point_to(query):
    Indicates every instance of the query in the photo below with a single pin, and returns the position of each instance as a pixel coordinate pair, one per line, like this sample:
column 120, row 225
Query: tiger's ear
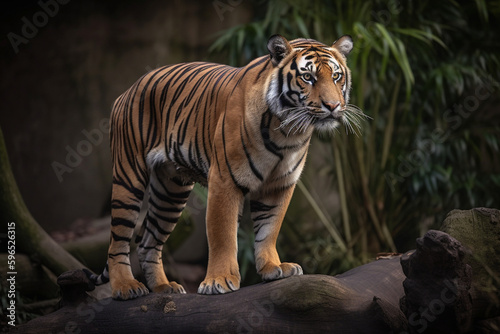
column 278, row 48
column 344, row 45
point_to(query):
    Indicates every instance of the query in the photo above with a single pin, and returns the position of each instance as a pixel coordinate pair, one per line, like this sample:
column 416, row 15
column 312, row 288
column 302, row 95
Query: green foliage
column 427, row 74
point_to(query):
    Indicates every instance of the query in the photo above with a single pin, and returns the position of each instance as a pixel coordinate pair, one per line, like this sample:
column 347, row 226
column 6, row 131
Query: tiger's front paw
column 218, row 285
column 271, row 272
column 128, row 289
column 171, row 287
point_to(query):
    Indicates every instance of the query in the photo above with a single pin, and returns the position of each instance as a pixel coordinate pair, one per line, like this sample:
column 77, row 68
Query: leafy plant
column 420, row 155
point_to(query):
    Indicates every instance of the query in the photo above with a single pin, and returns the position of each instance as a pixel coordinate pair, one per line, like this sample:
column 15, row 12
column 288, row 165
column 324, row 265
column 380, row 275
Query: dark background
column 65, row 79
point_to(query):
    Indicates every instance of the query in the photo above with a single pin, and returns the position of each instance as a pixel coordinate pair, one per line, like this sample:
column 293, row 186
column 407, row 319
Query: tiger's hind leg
column 168, row 198
column 127, row 196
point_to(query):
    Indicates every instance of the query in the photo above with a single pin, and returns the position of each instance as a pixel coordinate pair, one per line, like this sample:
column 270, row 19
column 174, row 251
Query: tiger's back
column 166, row 118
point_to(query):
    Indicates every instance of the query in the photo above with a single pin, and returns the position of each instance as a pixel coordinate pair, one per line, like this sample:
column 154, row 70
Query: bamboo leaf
column 399, row 54
column 302, row 26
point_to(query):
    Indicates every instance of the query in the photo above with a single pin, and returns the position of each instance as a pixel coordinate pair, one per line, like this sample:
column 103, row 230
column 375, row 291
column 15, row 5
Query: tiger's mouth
column 331, row 118
column 298, row 120
column 350, row 116
column 322, row 116
column 328, row 122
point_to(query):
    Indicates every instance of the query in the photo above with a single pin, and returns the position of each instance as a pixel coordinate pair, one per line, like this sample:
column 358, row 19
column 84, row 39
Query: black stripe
column 263, row 216
column 248, row 68
column 129, row 120
column 117, row 204
column 171, row 74
column 171, row 194
column 166, row 219
column 291, row 101
column 122, row 222
column 266, row 137
column 153, row 124
column 116, row 237
column 296, row 146
column 139, row 194
column 258, row 227
column 263, row 69
column 243, row 189
column 163, row 209
column 140, row 111
column 294, row 168
column 155, row 223
column 200, row 163
column 111, row 255
column 256, row 206
column 160, row 242
column 166, row 198
column 249, row 158
column 346, row 83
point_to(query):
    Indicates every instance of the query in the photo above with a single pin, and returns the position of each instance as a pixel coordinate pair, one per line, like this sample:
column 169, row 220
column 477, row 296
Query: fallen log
column 363, row 300
column 429, row 290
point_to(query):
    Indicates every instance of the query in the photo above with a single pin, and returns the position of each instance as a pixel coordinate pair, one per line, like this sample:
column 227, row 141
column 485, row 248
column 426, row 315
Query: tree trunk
column 30, row 238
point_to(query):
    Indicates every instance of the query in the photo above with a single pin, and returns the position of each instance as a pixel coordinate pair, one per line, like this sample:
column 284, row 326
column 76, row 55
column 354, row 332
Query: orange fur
column 238, row 130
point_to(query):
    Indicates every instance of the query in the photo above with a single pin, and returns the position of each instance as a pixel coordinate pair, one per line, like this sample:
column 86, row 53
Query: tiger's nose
column 331, row 106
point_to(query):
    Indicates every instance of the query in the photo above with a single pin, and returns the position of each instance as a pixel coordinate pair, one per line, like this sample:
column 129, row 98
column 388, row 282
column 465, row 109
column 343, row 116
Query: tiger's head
column 310, row 84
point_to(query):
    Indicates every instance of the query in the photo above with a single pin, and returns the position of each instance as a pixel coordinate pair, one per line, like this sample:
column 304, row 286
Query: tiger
column 242, row 132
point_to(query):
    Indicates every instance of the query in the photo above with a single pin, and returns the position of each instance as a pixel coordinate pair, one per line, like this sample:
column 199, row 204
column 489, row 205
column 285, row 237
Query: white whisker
column 353, row 118
column 299, row 112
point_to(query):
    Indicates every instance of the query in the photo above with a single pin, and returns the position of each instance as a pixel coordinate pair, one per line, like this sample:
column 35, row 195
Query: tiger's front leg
column 225, row 202
column 267, row 212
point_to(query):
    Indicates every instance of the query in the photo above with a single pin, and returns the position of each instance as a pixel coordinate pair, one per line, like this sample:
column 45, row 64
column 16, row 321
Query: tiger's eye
column 336, row 76
column 307, row 77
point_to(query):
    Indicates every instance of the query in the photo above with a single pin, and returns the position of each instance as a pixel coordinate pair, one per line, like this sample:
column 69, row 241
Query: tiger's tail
column 103, row 278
